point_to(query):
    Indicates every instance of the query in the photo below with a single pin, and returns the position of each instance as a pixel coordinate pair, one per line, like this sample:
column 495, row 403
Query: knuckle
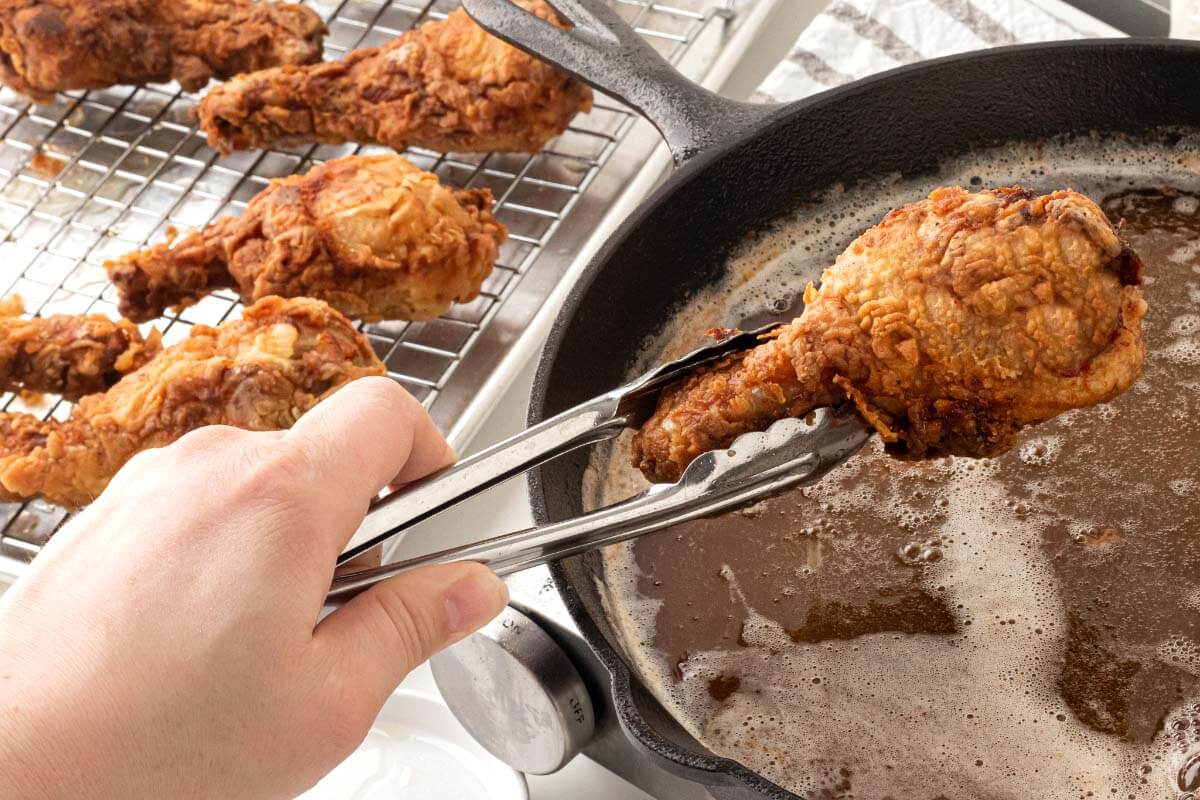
column 141, row 462
column 272, row 470
column 206, row 439
column 387, row 396
column 382, row 390
column 279, row 485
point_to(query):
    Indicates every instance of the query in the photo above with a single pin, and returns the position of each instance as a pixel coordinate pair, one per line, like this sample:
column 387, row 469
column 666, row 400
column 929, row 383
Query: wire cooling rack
column 94, row 175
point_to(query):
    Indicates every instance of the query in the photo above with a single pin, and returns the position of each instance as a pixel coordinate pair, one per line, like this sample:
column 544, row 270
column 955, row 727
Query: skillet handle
column 604, row 52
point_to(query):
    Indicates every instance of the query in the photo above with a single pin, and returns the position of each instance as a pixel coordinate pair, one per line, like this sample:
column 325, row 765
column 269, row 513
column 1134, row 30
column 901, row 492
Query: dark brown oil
column 779, row 611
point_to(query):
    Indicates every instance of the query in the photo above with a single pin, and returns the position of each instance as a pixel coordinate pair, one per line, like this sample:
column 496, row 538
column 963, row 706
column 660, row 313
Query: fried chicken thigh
column 49, row 46
column 950, row 325
column 445, row 86
column 373, row 236
column 259, row 373
column 66, row 354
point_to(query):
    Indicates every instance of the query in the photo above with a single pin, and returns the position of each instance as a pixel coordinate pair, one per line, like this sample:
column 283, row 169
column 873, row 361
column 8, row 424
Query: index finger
column 358, row 441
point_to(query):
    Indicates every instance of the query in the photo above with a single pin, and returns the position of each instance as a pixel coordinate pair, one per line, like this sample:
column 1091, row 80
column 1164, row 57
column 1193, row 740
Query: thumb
column 384, row 633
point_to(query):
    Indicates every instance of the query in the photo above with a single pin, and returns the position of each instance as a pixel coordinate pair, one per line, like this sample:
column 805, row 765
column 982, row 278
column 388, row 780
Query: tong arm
column 598, row 419
column 593, row 421
column 789, row 453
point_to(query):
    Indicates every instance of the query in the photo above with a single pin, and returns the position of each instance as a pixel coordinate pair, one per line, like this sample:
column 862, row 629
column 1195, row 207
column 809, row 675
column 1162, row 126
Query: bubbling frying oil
column 1021, row 627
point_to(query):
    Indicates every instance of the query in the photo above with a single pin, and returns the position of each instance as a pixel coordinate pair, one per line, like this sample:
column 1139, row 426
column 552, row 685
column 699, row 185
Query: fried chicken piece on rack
column 373, row 236
column 49, row 46
column 950, row 325
column 67, row 354
column 259, row 373
column 446, row 86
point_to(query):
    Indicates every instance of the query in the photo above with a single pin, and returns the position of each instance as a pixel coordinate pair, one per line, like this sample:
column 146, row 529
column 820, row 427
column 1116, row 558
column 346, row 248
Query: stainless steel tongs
column 789, row 453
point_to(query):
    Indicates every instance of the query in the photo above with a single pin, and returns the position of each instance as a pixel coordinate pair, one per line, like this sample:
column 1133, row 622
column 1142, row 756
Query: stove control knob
column 515, row 690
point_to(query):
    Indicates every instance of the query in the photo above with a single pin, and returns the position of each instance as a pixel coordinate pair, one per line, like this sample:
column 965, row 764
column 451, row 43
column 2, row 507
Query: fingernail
column 472, row 601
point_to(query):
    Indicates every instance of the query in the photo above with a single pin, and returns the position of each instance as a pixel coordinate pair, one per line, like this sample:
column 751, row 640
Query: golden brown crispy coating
column 259, row 373
column 445, row 86
column 49, row 46
column 66, row 354
column 950, row 325
column 373, row 236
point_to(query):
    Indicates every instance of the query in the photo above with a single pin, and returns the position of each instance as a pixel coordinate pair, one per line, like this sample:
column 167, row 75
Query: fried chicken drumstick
column 66, row 354
column 445, row 86
column 950, row 325
column 373, row 236
column 49, row 46
column 260, row 373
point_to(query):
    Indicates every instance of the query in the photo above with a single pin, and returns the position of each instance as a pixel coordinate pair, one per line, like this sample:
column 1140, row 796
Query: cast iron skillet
column 743, row 167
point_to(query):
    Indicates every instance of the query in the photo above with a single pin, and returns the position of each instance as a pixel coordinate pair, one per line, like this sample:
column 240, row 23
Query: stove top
column 533, row 692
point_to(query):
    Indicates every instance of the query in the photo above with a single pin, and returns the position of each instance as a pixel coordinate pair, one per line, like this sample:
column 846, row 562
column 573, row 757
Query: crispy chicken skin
column 259, row 373
column 950, row 325
column 66, row 354
column 49, row 46
column 445, row 86
column 373, row 236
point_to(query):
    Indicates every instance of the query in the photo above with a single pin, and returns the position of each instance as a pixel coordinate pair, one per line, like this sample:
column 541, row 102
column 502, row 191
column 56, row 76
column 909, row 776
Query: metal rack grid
column 94, row 175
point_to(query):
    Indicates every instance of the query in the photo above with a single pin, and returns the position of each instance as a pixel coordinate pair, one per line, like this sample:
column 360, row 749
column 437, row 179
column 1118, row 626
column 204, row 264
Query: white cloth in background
column 854, row 38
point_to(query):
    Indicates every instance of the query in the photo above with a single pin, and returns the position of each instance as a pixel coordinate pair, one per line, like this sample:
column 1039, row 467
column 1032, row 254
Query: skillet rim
column 726, row 771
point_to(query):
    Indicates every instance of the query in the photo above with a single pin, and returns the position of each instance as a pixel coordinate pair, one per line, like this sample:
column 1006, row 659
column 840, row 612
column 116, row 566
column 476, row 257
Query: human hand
column 165, row 643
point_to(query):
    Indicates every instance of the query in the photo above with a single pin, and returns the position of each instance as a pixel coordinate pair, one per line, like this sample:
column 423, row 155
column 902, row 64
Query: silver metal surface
column 594, row 421
column 516, row 691
column 789, row 453
column 534, row 593
column 94, row 175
